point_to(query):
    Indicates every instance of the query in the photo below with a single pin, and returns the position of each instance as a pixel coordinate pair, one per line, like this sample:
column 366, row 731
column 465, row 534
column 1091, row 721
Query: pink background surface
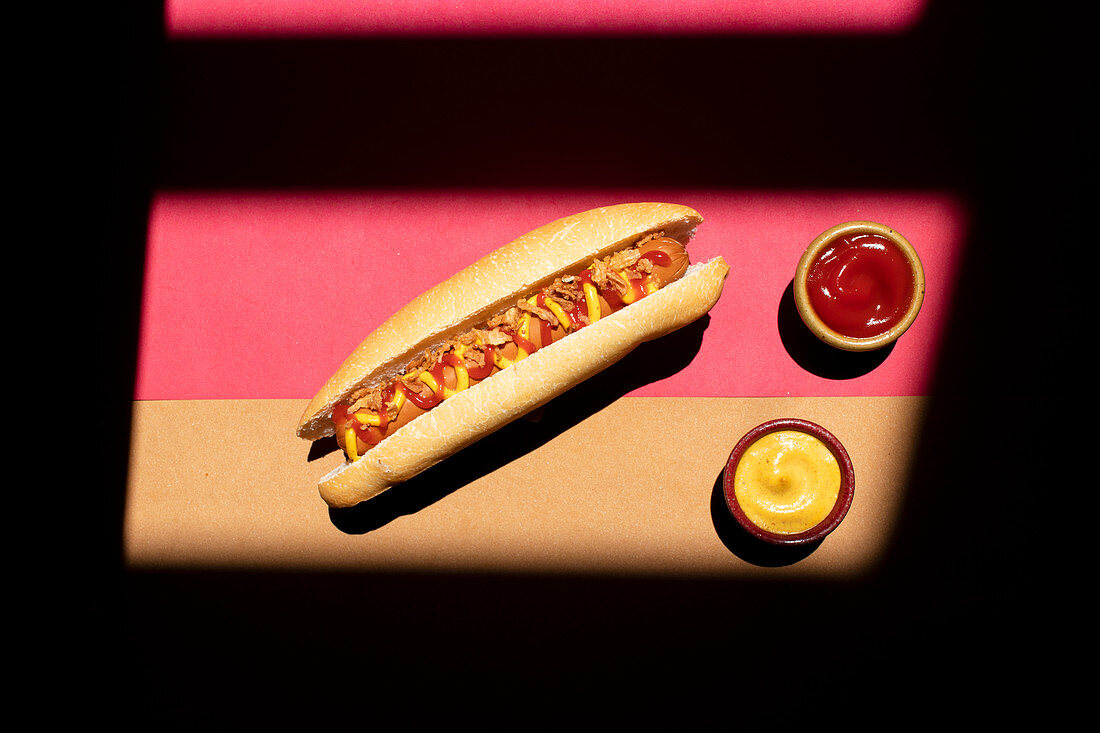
column 252, row 295
column 452, row 17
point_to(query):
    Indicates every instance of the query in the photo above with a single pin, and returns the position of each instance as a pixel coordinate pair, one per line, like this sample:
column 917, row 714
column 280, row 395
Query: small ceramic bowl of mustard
column 859, row 286
column 789, row 482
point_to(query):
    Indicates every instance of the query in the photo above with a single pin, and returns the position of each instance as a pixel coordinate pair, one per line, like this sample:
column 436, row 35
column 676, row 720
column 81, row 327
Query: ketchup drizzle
column 578, row 317
column 421, row 401
column 521, row 342
column 383, row 411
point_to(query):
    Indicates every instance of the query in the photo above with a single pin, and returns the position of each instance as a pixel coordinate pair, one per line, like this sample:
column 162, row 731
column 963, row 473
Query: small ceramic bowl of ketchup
column 859, row 286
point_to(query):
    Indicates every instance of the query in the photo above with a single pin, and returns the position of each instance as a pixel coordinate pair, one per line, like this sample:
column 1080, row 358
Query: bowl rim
column 802, row 296
column 844, row 496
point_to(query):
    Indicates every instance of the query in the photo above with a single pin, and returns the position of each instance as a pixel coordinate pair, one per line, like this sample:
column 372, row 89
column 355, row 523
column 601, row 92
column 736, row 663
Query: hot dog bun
column 479, row 291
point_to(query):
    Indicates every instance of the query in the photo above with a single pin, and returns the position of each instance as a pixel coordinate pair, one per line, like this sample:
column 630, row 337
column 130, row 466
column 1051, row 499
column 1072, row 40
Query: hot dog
column 533, row 323
column 504, row 336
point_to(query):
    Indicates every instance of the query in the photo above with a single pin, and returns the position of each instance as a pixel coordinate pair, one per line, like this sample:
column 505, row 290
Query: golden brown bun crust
column 484, row 288
column 524, row 386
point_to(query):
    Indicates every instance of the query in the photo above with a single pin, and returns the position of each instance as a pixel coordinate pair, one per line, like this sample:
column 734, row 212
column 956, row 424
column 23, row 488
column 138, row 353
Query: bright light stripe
column 353, row 18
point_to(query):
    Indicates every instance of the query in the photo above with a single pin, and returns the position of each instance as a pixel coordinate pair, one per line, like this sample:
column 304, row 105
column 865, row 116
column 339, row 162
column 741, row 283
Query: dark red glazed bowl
column 844, row 495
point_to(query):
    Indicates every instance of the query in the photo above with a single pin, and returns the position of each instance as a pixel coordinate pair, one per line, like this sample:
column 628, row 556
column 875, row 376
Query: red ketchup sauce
column 860, row 285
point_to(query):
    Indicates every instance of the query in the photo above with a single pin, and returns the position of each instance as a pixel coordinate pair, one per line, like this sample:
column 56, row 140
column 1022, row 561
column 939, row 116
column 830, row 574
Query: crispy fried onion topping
column 566, row 291
column 370, row 399
column 535, row 310
column 509, row 319
column 615, row 271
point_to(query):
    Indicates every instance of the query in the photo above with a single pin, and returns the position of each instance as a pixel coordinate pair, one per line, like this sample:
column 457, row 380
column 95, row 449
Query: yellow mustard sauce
column 787, row 482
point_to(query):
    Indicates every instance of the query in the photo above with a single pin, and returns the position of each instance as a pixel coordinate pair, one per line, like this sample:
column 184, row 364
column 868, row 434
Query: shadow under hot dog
column 649, row 362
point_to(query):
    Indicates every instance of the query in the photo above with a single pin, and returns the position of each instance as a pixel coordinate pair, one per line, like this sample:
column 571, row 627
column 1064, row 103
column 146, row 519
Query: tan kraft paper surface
column 632, row 488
